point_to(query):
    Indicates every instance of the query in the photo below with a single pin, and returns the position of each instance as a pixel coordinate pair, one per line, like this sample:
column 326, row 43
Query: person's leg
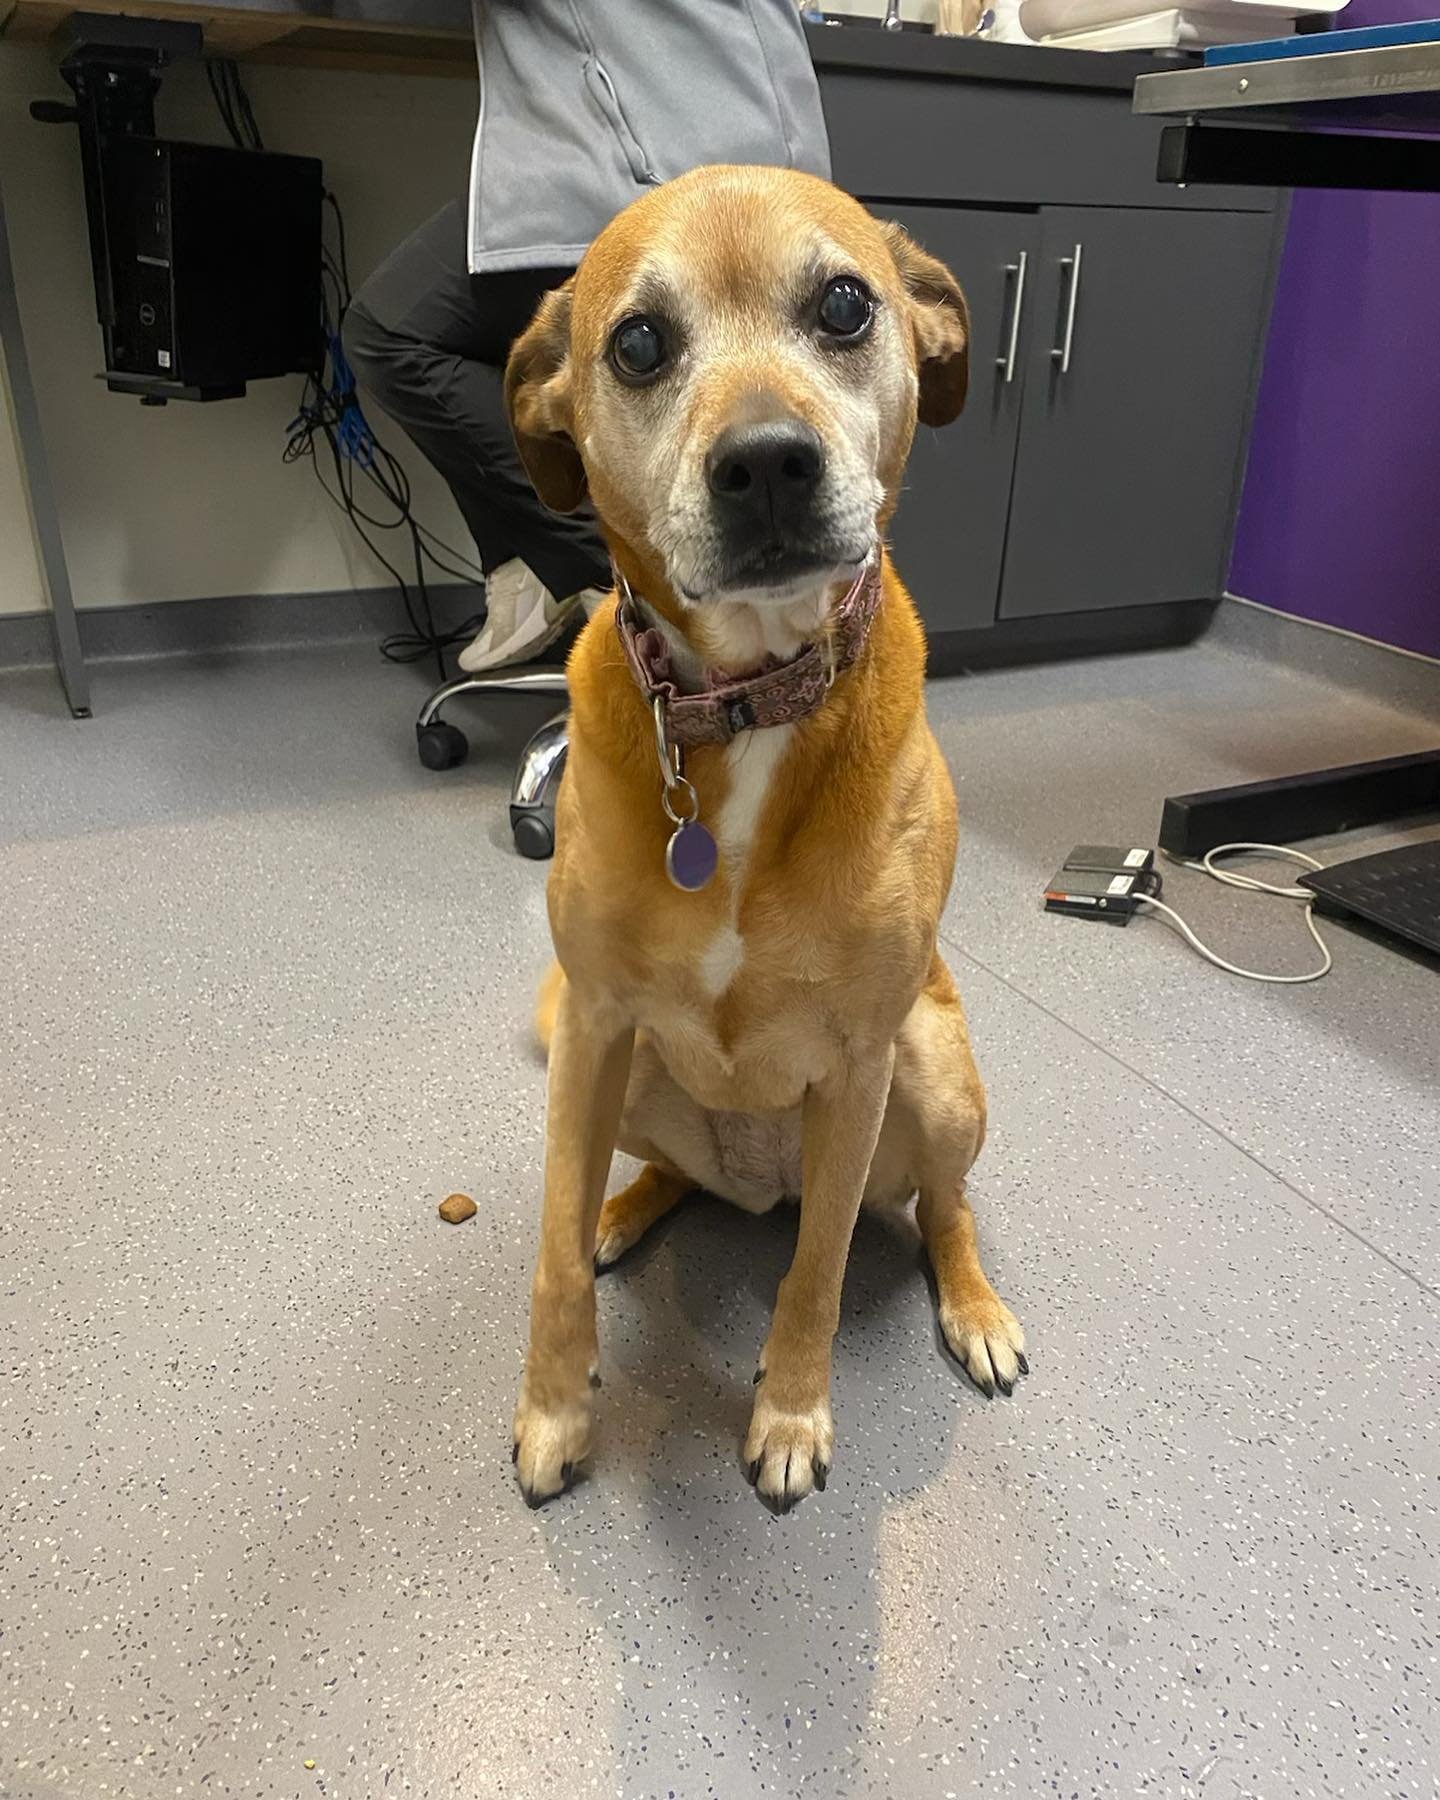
column 429, row 340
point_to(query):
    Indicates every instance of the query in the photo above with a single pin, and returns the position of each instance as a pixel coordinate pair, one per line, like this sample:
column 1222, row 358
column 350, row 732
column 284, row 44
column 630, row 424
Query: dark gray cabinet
column 961, row 474
column 1096, row 468
column 1130, row 446
column 1107, row 487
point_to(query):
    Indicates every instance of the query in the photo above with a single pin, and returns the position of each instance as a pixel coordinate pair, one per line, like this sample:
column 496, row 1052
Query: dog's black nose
column 766, row 473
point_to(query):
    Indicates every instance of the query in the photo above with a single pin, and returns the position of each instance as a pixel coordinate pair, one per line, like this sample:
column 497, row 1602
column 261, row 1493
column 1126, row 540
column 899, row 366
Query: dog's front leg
column 792, row 1436
column 589, row 1067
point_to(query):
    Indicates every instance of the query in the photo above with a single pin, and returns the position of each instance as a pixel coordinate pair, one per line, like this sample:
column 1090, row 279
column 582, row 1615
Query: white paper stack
column 1129, row 25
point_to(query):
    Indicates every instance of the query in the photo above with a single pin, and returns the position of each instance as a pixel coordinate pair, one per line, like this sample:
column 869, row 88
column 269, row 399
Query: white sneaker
column 522, row 618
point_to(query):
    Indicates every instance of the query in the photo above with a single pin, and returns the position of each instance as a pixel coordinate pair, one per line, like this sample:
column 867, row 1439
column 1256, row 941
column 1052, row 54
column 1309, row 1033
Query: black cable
column 213, row 67
column 469, row 568
column 318, row 419
column 330, row 415
column 334, row 206
column 233, row 103
column 242, row 105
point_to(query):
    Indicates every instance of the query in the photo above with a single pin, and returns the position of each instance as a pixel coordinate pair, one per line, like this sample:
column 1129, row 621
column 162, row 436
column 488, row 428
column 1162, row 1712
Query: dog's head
column 734, row 374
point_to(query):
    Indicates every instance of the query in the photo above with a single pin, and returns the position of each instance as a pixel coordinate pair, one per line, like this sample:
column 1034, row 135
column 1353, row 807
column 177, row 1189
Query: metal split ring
column 680, row 786
column 672, row 765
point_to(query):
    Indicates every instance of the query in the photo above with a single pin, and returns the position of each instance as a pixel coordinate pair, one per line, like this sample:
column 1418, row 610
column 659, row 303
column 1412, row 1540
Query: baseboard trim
column 1060, row 637
column 253, row 622
column 230, row 623
column 1355, row 637
column 1401, row 678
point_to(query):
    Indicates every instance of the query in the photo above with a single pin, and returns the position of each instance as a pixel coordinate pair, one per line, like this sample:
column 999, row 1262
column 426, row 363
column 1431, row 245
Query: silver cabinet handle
column 1061, row 352
column 1012, row 343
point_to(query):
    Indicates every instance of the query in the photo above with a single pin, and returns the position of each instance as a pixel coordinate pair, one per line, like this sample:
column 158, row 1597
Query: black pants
column 429, row 340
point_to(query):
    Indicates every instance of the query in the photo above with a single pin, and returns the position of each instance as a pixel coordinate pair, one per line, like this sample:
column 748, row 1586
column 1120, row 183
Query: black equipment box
column 207, row 266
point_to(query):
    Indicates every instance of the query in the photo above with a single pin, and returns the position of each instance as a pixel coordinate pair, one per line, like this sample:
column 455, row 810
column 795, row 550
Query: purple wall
column 1340, row 519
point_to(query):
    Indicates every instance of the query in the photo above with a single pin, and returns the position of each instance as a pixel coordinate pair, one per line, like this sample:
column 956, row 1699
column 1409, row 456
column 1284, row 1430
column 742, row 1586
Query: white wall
column 180, row 501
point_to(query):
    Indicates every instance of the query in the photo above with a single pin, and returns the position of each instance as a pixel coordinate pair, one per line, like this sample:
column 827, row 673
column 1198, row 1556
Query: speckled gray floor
column 264, row 1003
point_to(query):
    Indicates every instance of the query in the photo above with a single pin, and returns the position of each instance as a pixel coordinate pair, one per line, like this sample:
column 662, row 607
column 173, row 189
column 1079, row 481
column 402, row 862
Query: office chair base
column 533, row 829
column 537, row 776
column 441, row 746
column 542, row 762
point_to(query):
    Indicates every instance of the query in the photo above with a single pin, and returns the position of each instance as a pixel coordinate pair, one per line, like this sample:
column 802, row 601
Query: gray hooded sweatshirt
column 584, row 104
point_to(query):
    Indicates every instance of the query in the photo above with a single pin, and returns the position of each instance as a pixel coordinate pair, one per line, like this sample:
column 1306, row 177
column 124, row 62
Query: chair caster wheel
column 534, row 831
column 441, row 746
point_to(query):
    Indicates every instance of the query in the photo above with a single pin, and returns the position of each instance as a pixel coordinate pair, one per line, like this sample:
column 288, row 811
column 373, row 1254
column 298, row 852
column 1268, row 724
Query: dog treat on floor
column 455, row 1209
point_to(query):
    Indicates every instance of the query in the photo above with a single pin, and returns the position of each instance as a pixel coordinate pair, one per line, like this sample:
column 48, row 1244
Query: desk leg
column 39, row 490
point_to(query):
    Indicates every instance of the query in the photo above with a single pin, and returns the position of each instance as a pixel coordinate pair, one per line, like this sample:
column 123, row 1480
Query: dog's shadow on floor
column 685, row 1313
column 708, row 1273
column 769, row 1600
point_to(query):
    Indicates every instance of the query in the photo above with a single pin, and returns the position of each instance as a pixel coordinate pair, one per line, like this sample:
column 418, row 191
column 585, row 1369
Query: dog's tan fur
column 791, row 1027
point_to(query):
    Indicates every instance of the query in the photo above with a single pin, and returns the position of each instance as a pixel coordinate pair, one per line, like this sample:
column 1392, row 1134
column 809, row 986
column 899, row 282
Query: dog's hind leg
column 984, row 1336
column 937, row 1110
column 628, row 1215
column 547, row 1006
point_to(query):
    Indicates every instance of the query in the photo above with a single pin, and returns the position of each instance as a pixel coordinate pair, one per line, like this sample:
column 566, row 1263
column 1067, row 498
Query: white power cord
column 1233, row 878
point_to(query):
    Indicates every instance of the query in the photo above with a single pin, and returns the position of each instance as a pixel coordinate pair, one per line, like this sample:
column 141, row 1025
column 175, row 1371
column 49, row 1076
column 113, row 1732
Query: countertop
column 970, row 59
column 434, row 37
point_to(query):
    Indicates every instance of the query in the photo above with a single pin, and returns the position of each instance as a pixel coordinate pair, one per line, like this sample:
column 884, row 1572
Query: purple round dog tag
column 691, row 857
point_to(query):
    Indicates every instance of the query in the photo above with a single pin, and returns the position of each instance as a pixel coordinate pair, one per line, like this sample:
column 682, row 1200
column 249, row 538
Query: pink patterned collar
column 779, row 694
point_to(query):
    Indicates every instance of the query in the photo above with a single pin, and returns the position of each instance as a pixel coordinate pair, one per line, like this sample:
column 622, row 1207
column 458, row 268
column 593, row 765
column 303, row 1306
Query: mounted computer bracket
column 206, row 258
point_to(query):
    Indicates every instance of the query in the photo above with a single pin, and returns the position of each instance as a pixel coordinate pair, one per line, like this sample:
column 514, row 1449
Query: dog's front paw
column 788, row 1450
column 987, row 1340
column 550, row 1439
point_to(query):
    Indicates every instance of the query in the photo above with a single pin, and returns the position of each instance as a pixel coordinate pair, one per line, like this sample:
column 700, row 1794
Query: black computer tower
column 207, row 266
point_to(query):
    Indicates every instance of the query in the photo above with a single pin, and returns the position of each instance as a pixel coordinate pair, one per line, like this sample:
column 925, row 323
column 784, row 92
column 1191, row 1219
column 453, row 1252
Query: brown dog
column 734, row 376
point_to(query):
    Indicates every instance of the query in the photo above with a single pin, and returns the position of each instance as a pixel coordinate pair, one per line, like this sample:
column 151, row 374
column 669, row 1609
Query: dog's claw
column 757, row 1378
column 553, row 1441
column 791, row 1449
column 594, row 1378
column 515, row 1452
column 985, row 1340
column 534, row 1499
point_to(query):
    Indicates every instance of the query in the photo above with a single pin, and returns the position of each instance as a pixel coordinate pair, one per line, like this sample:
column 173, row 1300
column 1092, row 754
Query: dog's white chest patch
column 752, row 761
column 722, row 959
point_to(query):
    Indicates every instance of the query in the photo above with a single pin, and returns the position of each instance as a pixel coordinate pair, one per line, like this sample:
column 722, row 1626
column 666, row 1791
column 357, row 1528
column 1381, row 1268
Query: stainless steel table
column 1360, row 90
column 1304, row 120
column 1360, row 118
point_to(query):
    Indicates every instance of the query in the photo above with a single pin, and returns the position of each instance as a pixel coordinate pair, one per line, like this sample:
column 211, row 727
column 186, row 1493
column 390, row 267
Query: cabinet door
column 948, row 534
column 1130, row 448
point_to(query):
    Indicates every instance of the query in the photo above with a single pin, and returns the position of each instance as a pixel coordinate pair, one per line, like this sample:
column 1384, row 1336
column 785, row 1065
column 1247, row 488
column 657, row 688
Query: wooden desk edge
column 296, row 39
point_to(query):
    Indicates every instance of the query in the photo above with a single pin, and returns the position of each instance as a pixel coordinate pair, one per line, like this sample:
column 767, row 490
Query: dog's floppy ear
column 539, row 400
column 940, row 326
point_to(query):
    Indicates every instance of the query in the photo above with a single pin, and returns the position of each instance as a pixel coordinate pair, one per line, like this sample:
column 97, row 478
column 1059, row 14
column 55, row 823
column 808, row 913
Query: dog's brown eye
column 846, row 307
column 637, row 349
